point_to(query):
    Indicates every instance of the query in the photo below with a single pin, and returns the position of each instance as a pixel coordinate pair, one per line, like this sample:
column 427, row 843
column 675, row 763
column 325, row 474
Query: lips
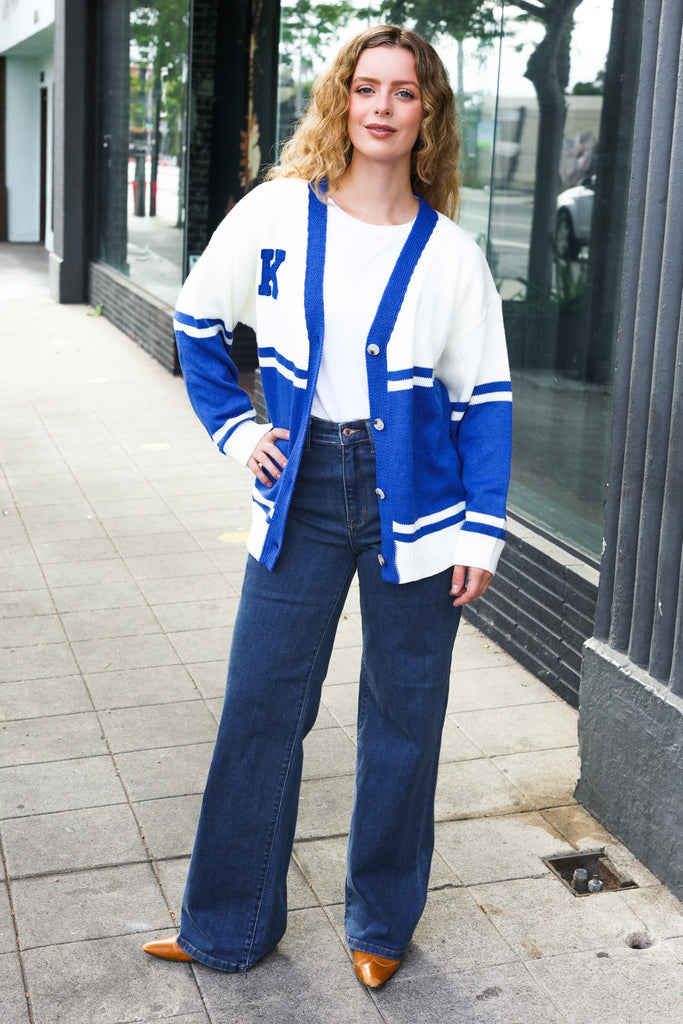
column 380, row 131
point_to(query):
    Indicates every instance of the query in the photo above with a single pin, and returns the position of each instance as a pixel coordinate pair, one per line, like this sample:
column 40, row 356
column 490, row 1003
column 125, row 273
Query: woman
column 384, row 369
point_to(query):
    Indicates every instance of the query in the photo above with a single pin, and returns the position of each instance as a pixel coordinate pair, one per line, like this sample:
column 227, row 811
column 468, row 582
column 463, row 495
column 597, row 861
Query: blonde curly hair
column 321, row 149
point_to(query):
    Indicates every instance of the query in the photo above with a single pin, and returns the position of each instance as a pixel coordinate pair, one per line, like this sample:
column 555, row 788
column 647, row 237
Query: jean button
column 373, row 350
column 380, row 493
column 381, row 559
column 378, row 424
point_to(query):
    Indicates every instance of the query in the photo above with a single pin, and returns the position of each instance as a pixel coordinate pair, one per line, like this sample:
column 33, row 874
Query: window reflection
column 143, row 127
column 546, row 94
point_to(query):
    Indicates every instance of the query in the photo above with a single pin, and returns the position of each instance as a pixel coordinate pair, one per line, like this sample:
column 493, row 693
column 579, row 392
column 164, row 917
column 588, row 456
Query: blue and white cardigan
column 438, row 377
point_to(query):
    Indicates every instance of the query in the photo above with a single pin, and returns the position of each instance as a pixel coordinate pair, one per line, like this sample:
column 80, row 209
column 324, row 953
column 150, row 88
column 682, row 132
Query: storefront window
column 546, row 151
column 561, row 153
column 142, row 118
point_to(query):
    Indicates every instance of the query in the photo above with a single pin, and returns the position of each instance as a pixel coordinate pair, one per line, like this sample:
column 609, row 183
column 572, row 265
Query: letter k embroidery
column 270, row 261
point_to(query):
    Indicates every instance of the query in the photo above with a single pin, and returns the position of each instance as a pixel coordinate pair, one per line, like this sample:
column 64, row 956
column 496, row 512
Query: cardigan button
column 381, row 559
column 378, row 424
column 373, row 350
column 380, row 493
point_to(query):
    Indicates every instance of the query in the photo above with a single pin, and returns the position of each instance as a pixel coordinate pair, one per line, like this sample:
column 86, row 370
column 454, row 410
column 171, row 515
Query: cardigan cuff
column 244, row 438
column 478, row 550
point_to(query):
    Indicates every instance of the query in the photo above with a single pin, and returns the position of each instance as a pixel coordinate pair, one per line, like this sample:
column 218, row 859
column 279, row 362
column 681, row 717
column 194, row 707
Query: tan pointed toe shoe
column 372, row 970
column 168, row 949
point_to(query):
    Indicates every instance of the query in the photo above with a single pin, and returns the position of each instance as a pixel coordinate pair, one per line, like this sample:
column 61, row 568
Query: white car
column 573, row 221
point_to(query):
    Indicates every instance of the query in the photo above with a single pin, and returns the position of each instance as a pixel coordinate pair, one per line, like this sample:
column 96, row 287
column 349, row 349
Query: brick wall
column 142, row 317
column 540, row 609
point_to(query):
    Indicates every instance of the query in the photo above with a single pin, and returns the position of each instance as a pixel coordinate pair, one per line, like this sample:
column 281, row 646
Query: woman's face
column 385, row 105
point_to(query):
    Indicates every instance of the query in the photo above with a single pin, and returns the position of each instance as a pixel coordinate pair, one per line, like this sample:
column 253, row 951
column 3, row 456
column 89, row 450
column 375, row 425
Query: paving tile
column 12, row 996
column 15, row 552
column 80, row 905
column 74, row 549
column 614, row 986
column 209, row 677
column 72, row 840
column 541, row 918
column 325, row 807
column 327, row 753
column 467, row 789
column 23, row 577
column 158, row 725
column 495, row 686
column 81, row 983
column 504, row 994
column 25, row 603
column 53, row 738
column 131, row 526
column 577, row 826
column 168, row 771
column 455, row 745
column 525, row 727
column 658, row 909
column 344, row 666
column 547, row 777
column 183, row 563
column 117, row 653
column 84, row 573
column 491, row 849
column 30, row 698
column 150, row 543
column 23, row 631
column 187, row 588
column 86, row 527
column 134, row 687
column 288, row 986
column 58, row 786
column 341, row 700
column 37, row 662
column 94, row 596
column 8, row 938
column 138, row 620
column 473, row 649
column 129, row 508
column 184, row 615
column 76, row 512
column 323, row 864
column 169, row 825
column 194, row 645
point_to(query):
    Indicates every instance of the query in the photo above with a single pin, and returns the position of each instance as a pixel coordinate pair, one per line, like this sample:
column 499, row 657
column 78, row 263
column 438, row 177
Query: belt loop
column 307, row 442
column 371, row 439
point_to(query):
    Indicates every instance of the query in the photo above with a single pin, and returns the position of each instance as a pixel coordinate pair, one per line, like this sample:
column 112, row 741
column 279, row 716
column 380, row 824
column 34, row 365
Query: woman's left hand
column 469, row 583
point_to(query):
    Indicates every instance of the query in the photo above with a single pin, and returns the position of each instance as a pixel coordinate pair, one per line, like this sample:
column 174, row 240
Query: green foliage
column 461, row 19
column 159, row 35
column 306, row 28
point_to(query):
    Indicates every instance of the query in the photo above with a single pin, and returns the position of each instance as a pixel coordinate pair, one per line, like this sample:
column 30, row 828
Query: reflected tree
column 159, row 34
column 458, row 19
column 548, row 71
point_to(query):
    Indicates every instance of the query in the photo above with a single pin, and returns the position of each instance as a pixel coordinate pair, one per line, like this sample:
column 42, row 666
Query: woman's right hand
column 267, row 461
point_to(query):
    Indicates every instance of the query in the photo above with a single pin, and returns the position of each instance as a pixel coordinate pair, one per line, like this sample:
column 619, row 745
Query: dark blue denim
column 235, row 904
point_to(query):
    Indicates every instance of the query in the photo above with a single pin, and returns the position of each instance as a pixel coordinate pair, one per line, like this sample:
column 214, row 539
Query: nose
column 383, row 111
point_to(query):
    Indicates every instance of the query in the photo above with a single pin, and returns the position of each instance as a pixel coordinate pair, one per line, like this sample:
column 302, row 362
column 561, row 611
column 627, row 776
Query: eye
column 364, row 90
column 406, row 94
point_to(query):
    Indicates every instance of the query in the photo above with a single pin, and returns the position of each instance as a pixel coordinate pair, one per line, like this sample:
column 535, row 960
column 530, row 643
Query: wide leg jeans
column 235, row 904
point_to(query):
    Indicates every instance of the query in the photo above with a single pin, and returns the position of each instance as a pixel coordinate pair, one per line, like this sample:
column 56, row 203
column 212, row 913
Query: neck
column 376, row 193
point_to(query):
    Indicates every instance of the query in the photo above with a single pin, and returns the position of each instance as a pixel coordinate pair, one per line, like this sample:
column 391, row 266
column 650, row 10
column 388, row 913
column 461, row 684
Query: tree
column 460, row 19
column 306, row 28
column 548, row 70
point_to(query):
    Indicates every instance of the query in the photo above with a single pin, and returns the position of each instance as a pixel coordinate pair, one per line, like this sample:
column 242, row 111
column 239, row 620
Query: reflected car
column 573, row 219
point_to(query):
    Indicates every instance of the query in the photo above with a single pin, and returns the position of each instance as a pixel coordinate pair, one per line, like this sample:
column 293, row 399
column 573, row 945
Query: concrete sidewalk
column 122, row 542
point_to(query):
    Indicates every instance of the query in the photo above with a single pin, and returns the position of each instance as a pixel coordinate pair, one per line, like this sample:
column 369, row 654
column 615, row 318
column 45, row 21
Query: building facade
column 129, row 129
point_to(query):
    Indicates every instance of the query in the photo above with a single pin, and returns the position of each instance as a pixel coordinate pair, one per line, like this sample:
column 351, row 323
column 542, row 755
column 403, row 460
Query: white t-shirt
column 359, row 260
